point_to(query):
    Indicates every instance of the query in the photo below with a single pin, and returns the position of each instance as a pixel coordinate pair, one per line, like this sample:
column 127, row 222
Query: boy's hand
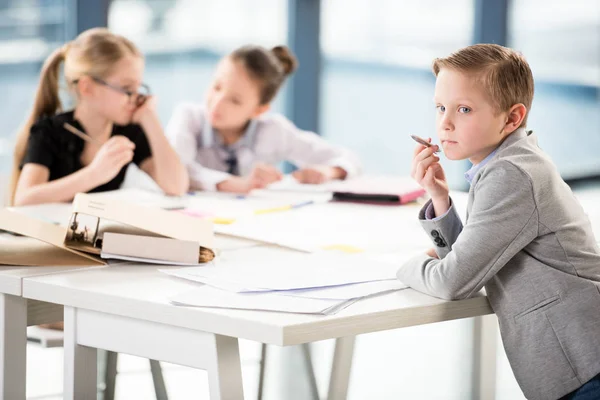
column 264, row 174
column 318, row 174
column 432, row 253
column 428, row 172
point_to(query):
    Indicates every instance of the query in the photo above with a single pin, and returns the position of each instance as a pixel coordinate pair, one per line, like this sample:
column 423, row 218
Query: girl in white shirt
column 230, row 143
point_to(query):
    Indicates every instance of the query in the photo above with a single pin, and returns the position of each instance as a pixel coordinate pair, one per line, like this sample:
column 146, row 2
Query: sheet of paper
column 144, row 197
column 206, row 296
column 219, row 284
column 230, row 243
column 293, row 270
column 348, row 292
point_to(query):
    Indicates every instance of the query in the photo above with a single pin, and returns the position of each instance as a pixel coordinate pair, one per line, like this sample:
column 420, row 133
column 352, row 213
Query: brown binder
column 80, row 243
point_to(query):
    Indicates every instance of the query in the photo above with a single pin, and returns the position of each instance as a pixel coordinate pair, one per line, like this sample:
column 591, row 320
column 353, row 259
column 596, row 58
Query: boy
column 526, row 239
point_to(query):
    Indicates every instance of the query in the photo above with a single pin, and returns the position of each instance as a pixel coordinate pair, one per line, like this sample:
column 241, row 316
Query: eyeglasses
column 138, row 97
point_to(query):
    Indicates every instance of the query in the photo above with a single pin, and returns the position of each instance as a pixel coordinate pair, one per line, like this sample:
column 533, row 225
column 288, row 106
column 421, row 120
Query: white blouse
column 270, row 139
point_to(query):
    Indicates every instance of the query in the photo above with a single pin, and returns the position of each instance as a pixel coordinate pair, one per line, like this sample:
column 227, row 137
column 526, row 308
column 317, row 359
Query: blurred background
column 364, row 79
column 364, row 82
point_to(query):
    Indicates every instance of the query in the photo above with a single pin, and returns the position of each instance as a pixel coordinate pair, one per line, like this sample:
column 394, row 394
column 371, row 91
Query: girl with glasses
column 230, row 143
column 113, row 124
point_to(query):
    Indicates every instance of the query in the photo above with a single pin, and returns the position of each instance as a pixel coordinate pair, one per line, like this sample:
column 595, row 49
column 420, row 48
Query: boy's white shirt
column 270, row 139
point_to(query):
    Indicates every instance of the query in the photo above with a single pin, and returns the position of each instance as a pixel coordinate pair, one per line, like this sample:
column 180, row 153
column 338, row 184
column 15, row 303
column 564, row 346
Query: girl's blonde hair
column 94, row 53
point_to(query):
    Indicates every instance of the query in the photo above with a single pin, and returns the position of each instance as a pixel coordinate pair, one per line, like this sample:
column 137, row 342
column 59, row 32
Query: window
column 561, row 41
column 377, row 86
column 29, row 31
column 184, row 39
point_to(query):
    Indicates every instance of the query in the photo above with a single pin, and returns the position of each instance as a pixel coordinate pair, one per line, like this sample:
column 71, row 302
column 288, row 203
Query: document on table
column 145, row 197
column 207, row 296
column 295, row 271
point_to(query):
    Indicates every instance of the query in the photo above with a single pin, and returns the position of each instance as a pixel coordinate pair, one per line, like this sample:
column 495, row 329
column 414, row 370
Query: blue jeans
column 589, row 391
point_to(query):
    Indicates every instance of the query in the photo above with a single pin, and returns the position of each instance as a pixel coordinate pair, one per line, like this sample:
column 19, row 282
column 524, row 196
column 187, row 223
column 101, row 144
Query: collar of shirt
column 210, row 137
column 470, row 174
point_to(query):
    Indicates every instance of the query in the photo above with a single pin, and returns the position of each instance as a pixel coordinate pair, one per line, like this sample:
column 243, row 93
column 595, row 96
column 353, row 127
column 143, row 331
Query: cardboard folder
column 80, row 243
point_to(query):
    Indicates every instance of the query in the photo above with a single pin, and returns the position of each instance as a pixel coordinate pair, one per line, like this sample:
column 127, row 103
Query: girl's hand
column 111, row 158
column 318, row 174
column 264, row 174
column 146, row 107
column 236, row 184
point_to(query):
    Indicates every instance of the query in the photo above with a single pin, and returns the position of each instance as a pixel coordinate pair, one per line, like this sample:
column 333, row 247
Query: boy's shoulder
column 520, row 156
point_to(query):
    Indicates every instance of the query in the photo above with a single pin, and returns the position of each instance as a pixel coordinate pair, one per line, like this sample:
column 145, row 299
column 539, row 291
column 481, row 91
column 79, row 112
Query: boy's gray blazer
column 529, row 242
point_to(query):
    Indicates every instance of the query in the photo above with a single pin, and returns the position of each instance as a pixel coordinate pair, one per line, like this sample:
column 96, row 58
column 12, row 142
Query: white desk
column 16, row 313
column 130, row 304
column 133, row 300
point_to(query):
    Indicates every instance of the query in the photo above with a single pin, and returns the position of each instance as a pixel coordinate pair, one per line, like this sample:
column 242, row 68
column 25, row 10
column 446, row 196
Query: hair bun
column 286, row 58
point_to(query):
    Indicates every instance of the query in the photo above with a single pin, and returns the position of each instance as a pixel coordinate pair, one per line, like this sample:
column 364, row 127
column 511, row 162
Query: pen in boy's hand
column 423, row 142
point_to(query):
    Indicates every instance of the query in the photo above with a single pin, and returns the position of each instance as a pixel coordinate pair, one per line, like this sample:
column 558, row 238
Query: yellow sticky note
column 343, row 248
column 222, row 221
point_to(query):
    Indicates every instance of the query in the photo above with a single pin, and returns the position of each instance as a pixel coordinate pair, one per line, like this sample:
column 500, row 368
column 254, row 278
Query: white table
column 93, row 305
column 16, row 313
column 130, row 303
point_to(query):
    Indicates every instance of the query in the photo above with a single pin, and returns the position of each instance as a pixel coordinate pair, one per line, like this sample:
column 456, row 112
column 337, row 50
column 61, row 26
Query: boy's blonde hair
column 503, row 72
column 94, row 53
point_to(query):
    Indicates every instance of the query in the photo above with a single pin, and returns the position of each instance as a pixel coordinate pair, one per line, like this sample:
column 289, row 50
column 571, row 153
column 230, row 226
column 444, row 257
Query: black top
column 52, row 146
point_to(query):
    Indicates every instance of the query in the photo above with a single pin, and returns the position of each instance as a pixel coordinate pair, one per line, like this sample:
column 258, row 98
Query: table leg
column 225, row 374
column 80, row 378
column 485, row 336
column 13, row 346
column 341, row 368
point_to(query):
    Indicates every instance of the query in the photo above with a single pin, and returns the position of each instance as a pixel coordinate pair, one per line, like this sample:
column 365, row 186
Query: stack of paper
column 318, row 283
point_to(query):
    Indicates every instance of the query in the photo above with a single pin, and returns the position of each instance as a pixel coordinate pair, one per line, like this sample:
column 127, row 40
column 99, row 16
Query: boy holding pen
column 526, row 239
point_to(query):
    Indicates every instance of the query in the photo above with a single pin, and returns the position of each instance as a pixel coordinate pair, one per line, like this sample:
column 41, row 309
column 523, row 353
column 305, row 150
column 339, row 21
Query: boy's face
column 467, row 124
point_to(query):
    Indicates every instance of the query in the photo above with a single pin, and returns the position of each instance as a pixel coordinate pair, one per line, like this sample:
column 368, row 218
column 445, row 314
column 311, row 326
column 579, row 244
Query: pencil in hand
column 80, row 134
column 423, row 142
